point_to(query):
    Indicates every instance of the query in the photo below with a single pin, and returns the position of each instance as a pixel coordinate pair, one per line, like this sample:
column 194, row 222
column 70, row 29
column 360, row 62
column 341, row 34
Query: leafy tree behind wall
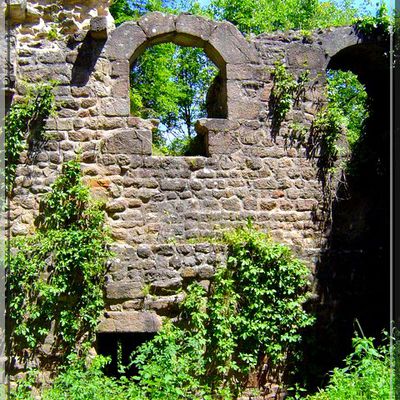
column 168, row 82
column 258, row 16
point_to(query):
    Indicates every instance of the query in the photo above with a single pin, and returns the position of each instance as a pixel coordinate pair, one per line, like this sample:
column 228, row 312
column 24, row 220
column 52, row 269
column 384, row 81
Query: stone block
column 129, row 321
column 177, row 185
column 98, row 28
column 221, row 143
column 195, row 26
column 302, row 56
column 228, row 43
column 157, row 23
column 166, row 286
column 16, row 11
column 128, row 142
column 124, row 290
column 111, row 107
column 124, row 41
column 243, row 109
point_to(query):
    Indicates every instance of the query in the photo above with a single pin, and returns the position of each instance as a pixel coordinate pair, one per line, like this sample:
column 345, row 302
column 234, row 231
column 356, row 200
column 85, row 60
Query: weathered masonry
column 160, row 209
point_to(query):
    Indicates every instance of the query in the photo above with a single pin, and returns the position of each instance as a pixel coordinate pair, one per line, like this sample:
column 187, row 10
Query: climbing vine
column 24, row 124
column 55, row 277
column 252, row 314
column 285, row 92
column 340, row 123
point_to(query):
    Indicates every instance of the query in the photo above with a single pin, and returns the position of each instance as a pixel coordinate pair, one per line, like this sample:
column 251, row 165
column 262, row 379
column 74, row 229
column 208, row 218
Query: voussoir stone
column 124, row 40
column 231, row 45
column 157, row 23
column 194, row 25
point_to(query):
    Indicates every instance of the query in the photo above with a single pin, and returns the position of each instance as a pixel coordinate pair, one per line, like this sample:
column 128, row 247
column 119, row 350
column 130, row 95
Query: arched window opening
column 176, row 85
column 354, row 269
column 349, row 101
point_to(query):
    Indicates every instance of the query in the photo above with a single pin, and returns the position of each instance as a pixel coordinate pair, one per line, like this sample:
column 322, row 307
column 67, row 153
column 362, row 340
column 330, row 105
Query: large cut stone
column 124, row 290
column 98, row 27
column 157, row 23
column 195, row 26
column 230, row 44
column 16, row 11
column 124, row 40
column 128, row 142
column 129, row 321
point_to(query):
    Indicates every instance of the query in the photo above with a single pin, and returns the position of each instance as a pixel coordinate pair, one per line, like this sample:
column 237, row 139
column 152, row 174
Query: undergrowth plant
column 366, row 375
column 252, row 315
column 55, row 277
column 24, row 124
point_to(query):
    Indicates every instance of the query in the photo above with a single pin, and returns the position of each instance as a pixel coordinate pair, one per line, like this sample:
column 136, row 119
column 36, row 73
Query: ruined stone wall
column 162, row 211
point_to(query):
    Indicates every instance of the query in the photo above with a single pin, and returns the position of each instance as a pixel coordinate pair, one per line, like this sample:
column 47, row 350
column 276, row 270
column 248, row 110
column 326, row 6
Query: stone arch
column 222, row 42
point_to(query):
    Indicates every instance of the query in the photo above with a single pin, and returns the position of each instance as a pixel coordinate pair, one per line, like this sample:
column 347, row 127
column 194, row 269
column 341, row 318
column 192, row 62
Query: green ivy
column 252, row 314
column 286, row 90
column 24, row 124
column 55, row 277
column 342, row 119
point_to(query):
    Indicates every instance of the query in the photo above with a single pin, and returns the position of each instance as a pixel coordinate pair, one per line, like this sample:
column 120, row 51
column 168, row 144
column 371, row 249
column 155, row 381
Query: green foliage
column 366, row 375
column 254, row 309
column 24, row 124
column 122, row 11
column 396, row 363
column 53, row 33
column 378, row 24
column 174, row 359
column 344, row 115
column 79, row 382
column 58, row 273
column 23, row 391
column 348, row 95
column 252, row 314
column 285, row 92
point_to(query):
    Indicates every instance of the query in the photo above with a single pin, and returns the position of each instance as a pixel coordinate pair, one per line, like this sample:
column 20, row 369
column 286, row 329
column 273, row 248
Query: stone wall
column 162, row 211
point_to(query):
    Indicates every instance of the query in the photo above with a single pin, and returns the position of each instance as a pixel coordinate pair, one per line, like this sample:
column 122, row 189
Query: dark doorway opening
column 120, row 347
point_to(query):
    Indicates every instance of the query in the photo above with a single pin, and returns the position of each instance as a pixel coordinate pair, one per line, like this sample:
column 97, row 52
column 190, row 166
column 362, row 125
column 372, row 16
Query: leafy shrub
column 366, row 375
column 81, row 382
column 342, row 119
column 57, row 274
column 254, row 309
